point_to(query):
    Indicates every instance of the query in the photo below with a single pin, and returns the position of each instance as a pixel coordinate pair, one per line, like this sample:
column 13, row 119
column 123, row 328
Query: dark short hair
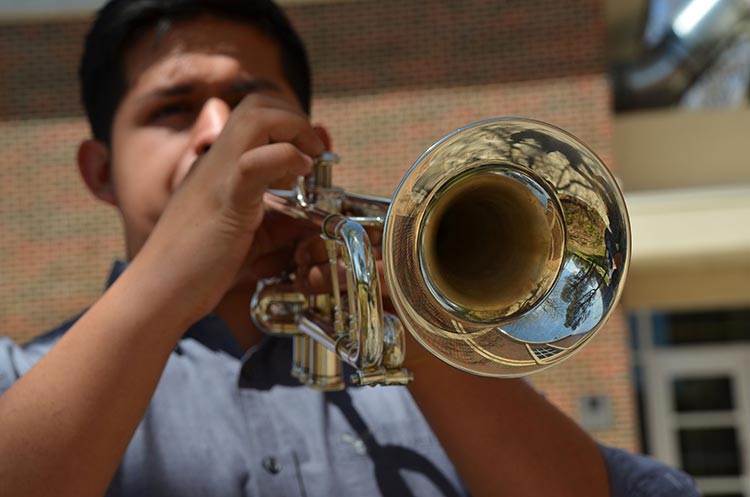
column 119, row 22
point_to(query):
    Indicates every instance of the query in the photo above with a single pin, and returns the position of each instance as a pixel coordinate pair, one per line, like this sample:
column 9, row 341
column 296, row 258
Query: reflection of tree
column 586, row 229
column 574, row 172
column 597, row 234
column 597, row 238
column 588, row 176
column 581, row 291
column 571, row 170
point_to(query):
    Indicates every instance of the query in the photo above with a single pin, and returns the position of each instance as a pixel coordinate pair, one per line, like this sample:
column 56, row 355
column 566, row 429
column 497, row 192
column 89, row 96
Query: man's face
column 181, row 88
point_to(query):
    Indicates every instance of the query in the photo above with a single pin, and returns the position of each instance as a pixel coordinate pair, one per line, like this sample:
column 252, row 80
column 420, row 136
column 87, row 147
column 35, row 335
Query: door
column 698, row 414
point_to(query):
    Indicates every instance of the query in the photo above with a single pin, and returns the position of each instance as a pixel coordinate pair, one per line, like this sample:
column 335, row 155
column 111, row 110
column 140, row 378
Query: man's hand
column 214, row 222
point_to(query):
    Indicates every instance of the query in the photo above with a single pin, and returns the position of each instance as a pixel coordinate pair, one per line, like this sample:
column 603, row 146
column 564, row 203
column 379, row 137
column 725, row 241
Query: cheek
column 145, row 166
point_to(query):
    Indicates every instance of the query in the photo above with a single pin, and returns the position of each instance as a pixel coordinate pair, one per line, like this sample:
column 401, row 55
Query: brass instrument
column 504, row 250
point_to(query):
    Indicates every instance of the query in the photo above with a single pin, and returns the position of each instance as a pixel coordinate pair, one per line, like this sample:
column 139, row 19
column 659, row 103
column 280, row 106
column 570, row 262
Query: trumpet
column 505, row 248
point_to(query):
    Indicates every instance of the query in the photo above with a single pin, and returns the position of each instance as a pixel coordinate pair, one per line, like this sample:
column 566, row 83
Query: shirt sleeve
column 12, row 363
column 633, row 475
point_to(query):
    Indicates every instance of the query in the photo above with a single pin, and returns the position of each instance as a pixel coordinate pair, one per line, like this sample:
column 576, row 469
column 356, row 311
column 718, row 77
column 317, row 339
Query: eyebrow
column 241, row 86
column 253, row 85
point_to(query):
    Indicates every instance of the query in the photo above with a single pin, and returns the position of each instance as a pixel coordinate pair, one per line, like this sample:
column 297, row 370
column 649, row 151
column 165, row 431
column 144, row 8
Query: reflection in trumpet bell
column 491, row 243
column 517, row 238
column 504, row 248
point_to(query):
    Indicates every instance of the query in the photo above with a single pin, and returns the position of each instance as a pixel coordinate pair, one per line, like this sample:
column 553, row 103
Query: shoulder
column 640, row 476
column 16, row 359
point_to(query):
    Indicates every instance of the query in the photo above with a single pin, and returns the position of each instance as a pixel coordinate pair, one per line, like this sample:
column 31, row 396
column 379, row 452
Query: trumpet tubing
column 504, row 249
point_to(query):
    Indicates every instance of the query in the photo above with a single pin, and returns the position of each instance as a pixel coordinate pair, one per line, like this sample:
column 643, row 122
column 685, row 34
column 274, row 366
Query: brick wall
column 391, row 78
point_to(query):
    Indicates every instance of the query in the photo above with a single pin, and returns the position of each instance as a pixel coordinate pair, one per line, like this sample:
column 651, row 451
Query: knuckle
column 288, row 152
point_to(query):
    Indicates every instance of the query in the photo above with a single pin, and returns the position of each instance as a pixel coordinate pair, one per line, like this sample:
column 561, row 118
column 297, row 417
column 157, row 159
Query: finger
column 271, row 264
column 313, row 268
column 261, row 167
column 319, row 279
column 264, row 100
column 311, row 251
column 258, row 121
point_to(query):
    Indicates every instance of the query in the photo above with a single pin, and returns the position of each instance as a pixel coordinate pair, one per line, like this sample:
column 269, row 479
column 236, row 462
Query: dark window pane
column 710, row 451
column 703, row 394
column 683, row 328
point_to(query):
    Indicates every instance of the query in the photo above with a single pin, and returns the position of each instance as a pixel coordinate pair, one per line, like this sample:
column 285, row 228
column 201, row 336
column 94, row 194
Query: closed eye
column 176, row 115
column 165, row 111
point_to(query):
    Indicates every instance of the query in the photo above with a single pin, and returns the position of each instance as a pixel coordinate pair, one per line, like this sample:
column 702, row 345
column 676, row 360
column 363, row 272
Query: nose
column 209, row 123
column 206, row 128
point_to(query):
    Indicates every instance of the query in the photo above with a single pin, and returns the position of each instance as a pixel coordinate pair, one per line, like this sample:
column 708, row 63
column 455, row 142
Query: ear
column 94, row 166
column 324, row 136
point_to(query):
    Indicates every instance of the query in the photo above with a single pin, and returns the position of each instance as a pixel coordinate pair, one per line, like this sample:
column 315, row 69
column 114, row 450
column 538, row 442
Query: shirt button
column 272, row 465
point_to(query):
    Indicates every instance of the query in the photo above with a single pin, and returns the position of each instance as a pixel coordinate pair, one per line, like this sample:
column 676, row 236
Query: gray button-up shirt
column 231, row 424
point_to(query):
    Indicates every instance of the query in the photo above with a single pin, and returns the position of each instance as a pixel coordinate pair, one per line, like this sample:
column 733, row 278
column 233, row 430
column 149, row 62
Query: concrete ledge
column 691, row 249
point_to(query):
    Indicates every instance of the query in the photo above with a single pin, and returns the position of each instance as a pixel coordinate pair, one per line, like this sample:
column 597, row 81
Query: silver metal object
column 504, row 251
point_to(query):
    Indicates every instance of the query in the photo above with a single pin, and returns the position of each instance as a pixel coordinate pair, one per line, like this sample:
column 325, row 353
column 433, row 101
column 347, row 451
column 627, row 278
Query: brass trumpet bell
column 505, row 247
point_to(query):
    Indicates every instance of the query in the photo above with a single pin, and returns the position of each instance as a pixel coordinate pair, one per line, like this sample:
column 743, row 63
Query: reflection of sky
column 546, row 323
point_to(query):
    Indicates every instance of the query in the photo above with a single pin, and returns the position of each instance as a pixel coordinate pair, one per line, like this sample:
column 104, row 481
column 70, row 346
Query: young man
column 163, row 387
